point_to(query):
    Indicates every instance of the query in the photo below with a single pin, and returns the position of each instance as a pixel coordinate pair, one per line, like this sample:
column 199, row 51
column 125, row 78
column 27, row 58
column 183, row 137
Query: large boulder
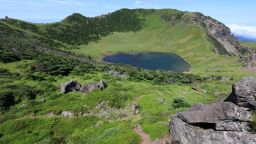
column 227, row 122
column 244, row 93
column 218, row 123
column 214, row 113
column 70, row 86
column 184, row 133
column 101, row 85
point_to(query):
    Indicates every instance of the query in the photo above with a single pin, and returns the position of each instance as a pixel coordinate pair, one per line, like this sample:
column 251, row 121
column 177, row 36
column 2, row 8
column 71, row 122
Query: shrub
column 6, row 100
column 117, row 101
column 180, row 103
column 14, row 94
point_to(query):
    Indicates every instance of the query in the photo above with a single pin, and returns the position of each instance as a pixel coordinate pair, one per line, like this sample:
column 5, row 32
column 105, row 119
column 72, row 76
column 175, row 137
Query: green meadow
column 249, row 44
column 32, row 105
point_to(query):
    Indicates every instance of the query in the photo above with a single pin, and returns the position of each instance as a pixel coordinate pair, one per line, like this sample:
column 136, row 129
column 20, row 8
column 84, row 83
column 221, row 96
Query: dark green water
column 151, row 61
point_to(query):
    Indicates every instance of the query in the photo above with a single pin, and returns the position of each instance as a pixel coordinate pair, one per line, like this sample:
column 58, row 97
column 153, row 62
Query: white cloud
column 146, row 4
column 138, row 2
column 249, row 31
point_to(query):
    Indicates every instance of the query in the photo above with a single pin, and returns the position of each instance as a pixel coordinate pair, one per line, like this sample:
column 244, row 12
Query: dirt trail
column 145, row 139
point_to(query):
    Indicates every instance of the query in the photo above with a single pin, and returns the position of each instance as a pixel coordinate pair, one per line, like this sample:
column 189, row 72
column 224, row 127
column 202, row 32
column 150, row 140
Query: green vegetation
column 254, row 122
column 180, row 103
column 77, row 29
column 249, row 44
column 120, row 93
column 217, row 46
column 35, row 59
column 189, row 41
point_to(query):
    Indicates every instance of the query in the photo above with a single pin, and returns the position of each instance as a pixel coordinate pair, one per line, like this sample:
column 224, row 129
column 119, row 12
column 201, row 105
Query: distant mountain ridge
column 77, row 29
column 245, row 38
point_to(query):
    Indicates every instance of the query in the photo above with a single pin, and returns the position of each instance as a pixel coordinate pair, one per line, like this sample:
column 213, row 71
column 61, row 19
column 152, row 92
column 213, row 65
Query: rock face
column 76, row 86
column 70, row 86
column 227, row 122
column 249, row 59
column 244, row 93
column 224, row 41
column 219, row 32
column 90, row 87
column 183, row 133
column 212, row 114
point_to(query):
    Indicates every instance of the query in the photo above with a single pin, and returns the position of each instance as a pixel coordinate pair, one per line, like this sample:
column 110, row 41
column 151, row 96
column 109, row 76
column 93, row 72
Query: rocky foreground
column 227, row 122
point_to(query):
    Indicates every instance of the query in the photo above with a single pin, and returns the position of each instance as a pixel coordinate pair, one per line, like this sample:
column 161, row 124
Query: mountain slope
column 196, row 38
column 171, row 31
column 37, row 58
column 78, row 29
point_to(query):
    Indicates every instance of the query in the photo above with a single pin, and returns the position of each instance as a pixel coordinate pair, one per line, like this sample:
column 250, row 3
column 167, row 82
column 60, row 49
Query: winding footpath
column 145, row 139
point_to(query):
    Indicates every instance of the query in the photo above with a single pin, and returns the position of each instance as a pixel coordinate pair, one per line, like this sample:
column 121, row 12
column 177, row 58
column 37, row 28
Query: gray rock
column 70, row 86
column 233, row 126
column 183, row 133
column 218, row 123
column 101, row 85
column 220, row 33
column 244, row 93
column 118, row 74
column 215, row 112
column 136, row 109
column 67, row 114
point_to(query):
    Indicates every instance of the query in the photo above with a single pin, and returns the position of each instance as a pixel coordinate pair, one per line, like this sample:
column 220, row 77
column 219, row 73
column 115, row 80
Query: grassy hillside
column 190, row 41
column 249, row 44
column 31, row 117
column 37, row 58
column 78, row 29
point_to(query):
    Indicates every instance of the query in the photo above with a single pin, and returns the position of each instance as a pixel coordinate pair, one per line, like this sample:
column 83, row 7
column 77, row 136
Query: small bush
column 6, row 100
column 180, row 103
column 117, row 101
column 14, row 94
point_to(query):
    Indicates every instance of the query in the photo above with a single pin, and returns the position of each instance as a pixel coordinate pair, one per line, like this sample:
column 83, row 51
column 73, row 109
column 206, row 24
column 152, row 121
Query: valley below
column 115, row 78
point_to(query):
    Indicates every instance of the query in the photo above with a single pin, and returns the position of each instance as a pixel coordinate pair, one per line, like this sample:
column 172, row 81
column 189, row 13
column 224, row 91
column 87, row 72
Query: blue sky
column 239, row 15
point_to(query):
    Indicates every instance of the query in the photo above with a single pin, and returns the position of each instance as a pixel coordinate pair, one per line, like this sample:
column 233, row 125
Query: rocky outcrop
column 214, row 113
column 249, row 59
column 224, row 41
column 76, row 86
column 118, row 74
column 219, row 35
column 70, row 86
column 218, row 31
column 101, row 85
column 183, row 133
column 244, row 93
column 227, row 122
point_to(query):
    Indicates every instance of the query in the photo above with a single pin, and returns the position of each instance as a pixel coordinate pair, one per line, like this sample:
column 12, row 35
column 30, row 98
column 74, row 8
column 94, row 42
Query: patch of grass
column 254, row 122
column 42, row 130
column 249, row 44
column 116, row 132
